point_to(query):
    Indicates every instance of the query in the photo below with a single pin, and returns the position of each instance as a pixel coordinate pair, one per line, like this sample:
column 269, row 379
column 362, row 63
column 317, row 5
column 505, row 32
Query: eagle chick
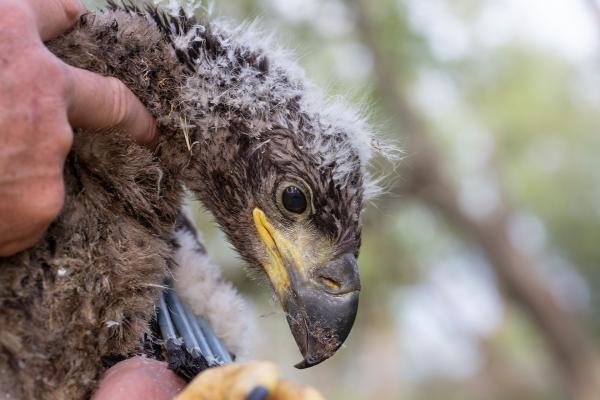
column 283, row 171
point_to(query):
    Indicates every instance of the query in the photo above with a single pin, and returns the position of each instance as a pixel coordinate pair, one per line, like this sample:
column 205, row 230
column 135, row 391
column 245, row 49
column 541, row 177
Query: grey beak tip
column 303, row 365
column 311, row 361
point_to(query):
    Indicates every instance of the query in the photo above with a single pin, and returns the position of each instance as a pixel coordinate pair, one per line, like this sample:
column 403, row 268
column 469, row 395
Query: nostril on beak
column 330, row 283
column 338, row 277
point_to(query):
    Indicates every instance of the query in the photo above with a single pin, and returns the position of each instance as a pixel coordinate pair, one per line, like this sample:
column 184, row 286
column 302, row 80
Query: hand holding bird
column 41, row 100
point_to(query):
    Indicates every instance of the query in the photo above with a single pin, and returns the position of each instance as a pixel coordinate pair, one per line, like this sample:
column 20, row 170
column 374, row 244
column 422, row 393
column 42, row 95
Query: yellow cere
column 278, row 248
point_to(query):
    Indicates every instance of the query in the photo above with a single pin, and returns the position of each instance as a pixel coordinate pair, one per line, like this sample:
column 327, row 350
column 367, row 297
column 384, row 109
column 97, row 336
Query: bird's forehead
column 327, row 162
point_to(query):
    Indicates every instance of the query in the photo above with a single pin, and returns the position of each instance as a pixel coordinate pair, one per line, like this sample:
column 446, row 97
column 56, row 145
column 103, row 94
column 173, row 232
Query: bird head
column 290, row 199
column 284, row 172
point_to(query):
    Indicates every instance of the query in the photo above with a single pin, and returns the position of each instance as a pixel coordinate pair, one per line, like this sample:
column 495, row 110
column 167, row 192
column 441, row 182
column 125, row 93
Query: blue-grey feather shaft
column 214, row 342
column 200, row 336
column 181, row 321
column 167, row 328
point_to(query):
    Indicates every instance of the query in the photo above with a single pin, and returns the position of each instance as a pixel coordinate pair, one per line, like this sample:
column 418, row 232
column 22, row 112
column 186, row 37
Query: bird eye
column 293, row 199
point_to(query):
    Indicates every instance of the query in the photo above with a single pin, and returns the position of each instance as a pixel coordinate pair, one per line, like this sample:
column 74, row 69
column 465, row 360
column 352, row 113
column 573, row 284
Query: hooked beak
column 320, row 302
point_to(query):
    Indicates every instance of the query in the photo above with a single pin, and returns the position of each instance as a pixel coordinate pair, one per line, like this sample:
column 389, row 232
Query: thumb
column 139, row 379
column 98, row 102
column 54, row 17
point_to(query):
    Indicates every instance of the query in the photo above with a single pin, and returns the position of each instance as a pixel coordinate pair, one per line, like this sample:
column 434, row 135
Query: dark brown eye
column 293, row 199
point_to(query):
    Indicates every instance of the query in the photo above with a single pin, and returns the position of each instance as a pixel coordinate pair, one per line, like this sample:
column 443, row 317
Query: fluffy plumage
column 234, row 118
column 198, row 281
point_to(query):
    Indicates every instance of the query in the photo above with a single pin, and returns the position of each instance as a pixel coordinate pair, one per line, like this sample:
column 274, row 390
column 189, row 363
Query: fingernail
column 258, row 393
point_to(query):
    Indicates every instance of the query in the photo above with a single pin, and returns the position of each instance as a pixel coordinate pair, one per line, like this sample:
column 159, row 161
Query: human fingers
column 26, row 219
column 139, row 379
column 98, row 102
column 54, row 17
column 35, row 138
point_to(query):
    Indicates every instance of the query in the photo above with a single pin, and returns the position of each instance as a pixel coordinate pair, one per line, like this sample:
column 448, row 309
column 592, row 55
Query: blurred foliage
column 505, row 102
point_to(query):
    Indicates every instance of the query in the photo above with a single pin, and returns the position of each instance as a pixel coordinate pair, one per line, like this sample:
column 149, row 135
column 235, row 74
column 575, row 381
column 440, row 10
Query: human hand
column 142, row 379
column 139, row 379
column 41, row 99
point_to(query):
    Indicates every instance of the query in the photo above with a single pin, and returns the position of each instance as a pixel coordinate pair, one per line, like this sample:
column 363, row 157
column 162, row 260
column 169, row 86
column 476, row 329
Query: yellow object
column 236, row 381
column 280, row 250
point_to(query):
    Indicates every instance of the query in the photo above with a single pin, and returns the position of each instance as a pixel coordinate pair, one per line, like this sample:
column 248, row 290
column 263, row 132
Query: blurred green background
column 480, row 263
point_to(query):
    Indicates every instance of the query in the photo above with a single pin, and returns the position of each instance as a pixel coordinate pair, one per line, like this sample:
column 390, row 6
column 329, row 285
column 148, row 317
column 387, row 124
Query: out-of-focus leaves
column 529, row 114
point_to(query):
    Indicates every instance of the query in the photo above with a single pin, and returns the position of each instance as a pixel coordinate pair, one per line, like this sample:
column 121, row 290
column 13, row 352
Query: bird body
column 236, row 122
